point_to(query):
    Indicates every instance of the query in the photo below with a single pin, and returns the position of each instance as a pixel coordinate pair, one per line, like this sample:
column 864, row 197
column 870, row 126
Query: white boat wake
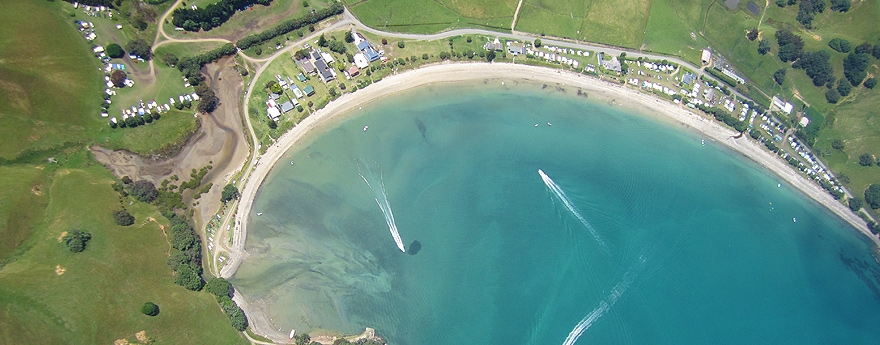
column 604, row 306
column 565, row 201
column 382, row 200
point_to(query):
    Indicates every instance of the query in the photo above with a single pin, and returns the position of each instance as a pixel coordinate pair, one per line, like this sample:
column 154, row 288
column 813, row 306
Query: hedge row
column 210, row 16
column 290, row 25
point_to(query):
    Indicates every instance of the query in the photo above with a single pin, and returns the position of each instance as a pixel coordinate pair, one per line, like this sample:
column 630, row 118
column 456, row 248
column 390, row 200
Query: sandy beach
column 596, row 89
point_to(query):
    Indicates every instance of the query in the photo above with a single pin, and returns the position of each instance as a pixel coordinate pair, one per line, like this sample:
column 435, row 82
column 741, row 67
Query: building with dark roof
column 324, row 71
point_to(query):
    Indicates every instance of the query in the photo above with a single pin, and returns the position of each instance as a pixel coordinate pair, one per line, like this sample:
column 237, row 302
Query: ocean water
column 633, row 231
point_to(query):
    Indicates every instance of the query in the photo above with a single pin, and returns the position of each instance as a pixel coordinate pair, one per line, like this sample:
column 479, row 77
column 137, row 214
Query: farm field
column 620, row 23
column 50, row 89
column 50, row 295
column 423, row 16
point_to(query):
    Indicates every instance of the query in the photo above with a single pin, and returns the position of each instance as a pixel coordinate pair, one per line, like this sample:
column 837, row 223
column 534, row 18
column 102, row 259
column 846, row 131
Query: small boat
column 291, row 162
column 794, row 220
column 703, row 141
column 259, row 213
column 549, row 124
column 292, row 333
column 366, row 128
column 536, row 125
column 778, row 185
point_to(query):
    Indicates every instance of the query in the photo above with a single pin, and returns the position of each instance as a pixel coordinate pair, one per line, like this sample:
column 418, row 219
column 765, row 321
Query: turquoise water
column 638, row 235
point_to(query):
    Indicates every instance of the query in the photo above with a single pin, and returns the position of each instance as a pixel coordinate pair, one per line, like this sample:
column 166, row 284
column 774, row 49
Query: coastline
column 646, row 104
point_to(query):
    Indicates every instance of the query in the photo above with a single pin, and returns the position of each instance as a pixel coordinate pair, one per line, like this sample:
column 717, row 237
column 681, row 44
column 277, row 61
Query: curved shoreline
column 645, row 104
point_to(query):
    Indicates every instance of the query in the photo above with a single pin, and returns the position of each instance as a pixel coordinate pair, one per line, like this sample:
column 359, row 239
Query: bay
column 638, row 234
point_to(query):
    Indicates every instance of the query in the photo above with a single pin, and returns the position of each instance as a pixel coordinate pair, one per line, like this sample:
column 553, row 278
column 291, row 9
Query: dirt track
column 220, row 142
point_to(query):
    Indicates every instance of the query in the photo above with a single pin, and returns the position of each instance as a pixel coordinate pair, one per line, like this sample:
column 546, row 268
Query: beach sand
column 612, row 93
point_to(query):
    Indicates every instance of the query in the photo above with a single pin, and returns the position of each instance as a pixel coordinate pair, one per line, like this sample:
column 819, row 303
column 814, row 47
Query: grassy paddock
column 163, row 136
column 669, row 28
column 50, row 295
column 425, row 16
column 620, row 23
column 50, row 89
column 23, row 191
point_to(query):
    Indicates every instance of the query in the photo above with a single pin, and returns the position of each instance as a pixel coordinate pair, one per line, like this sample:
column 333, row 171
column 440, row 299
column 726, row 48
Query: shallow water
column 638, row 234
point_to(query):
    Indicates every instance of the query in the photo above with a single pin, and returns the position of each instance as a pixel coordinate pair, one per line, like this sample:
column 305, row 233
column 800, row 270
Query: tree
column 864, row 48
column 76, row 239
column 401, row 45
column 301, row 54
column 870, row 82
column 123, row 218
column 840, row 5
column 384, row 42
column 876, row 51
column 188, row 277
column 114, row 51
column 150, row 309
column 349, row 37
column 229, row 193
column 844, row 87
column 817, row 67
column 140, row 48
column 763, row 47
column 779, row 76
column 219, row 287
column 144, row 191
column 855, row 65
column 273, row 124
column 170, row 59
column 490, row 56
column 337, row 47
column 322, row 41
column 118, row 78
column 832, row 96
column 790, row 45
column 838, row 144
column 537, row 43
column 752, row 34
column 872, row 196
column 855, row 204
column 208, row 103
column 866, row 160
column 840, row 45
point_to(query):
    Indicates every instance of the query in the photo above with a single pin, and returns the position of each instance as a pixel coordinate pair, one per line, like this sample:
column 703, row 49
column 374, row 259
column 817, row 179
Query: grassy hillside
column 50, row 295
column 50, row 89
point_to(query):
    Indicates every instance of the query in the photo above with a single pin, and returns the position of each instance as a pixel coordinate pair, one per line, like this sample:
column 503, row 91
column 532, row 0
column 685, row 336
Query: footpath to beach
column 596, row 89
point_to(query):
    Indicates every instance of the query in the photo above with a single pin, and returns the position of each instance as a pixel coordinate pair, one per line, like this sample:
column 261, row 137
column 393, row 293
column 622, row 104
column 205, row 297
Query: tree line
column 290, row 25
column 212, row 15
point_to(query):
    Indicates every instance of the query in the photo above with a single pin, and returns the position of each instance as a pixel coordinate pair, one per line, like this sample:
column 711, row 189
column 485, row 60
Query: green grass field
column 50, row 89
column 50, row 295
column 669, row 30
column 249, row 22
column 23, row 199
column 425, row 16
column 620, row 23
